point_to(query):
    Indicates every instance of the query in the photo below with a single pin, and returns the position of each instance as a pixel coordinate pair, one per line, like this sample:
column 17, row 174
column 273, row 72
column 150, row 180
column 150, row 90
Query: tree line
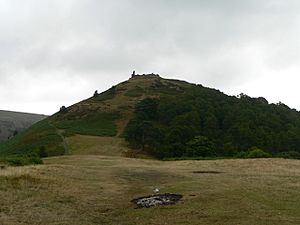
column 203, row 122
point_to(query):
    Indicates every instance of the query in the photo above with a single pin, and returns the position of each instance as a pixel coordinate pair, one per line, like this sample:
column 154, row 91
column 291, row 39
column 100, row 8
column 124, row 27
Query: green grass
column 30, row 140
column 104, row 96
column 135, row 92
column 165, row 88
column 20, row 160
column 98, row 124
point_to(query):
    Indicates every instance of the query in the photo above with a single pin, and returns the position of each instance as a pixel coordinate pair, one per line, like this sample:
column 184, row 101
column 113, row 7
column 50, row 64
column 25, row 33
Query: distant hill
column 12, row 123
column 165, row 118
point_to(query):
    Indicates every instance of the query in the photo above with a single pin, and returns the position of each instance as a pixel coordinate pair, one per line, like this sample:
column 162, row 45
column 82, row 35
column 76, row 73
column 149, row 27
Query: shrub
column 22, row 160
column 43, row 152
column 289, row 155
column 63, row 109
column 258, row 153
column 200, row 146
column 241, row 155
column 35, row 161
column 68, row 133
column 106, row 95
column 15, row 161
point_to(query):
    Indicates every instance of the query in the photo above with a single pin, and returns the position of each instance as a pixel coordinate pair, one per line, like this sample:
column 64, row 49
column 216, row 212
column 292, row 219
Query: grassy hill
column 165, row 118
column 13, row 122
column 103, row 117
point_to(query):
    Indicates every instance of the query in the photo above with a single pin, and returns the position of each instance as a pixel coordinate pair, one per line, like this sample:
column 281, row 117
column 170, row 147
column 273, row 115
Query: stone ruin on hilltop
column 149, row 74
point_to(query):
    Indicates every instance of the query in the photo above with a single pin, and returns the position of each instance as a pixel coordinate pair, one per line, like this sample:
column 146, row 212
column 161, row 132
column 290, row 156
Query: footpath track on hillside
column 60, row 134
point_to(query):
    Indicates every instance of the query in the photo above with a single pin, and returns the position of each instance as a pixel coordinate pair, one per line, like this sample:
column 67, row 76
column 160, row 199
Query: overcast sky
column 58, row 52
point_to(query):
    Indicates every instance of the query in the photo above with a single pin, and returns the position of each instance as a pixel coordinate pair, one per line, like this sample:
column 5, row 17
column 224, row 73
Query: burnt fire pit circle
column 156, row 200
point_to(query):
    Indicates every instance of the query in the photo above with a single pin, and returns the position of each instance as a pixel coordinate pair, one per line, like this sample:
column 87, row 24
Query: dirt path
column 64, row 140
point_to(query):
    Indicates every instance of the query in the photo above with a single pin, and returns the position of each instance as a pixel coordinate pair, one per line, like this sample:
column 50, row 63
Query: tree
column 227, row 125
column 180, row 134
column 147, row 109
column 210, row 125
column 142, row 134
column 242, row 95
column 229, row 149
column 43, row 152
column 96, row 93
column 63, row 109
column 200, row 146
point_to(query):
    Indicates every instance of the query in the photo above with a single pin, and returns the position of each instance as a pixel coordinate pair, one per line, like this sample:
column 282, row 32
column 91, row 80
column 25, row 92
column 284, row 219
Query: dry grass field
column 95, row 145
column 95, row 189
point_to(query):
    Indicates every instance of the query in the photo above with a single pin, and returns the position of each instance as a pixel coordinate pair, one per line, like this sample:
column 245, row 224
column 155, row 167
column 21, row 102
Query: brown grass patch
column 91, row 189
column 94, row 145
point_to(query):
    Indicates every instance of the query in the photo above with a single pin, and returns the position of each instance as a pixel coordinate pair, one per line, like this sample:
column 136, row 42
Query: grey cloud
column 223, row 44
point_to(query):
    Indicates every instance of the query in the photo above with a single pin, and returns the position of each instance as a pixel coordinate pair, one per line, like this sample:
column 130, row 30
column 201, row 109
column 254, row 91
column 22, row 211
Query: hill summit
column 164, row 118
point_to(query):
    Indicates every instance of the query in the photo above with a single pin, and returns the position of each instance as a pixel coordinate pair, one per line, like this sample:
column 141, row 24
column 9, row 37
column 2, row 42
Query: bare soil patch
column 156, row 200
column 207, row 172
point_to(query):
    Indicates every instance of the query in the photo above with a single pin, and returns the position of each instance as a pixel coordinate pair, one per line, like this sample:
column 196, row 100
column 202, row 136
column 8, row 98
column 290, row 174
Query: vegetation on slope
column 169, row 118
column 203, row 122
column 41, row 135
column 97, row 124
column 19, row 160
column 47, row 137
column 12, row 123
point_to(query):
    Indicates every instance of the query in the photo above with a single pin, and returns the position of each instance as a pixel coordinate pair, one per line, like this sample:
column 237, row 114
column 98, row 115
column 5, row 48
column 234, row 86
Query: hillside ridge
column 21, row 112
column 228, row 124
column 12, row 122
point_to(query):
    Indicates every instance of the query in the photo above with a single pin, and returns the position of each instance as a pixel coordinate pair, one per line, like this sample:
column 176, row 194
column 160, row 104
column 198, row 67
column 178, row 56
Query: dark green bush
column 258, row 153
column 43, row 152
column 22, row 160
column 63, row 109
column 68, row 133
column 15, row 161
column 289, row 155
column 200, row 146
column 35, row 161
column 241, row 155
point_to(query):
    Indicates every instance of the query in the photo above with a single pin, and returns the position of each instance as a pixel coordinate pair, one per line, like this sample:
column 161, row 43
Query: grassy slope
column 29, row 141
column 97, row 124
column 93, row 145
column 105, row 115
column 98, row 189
column 16, row 121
